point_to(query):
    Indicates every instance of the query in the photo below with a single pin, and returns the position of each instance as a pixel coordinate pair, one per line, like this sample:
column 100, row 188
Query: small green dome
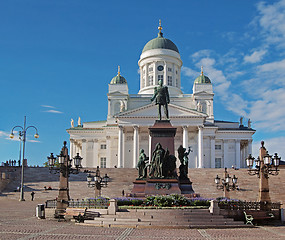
column 160, row 42
column 202, row 79
column 118, row 79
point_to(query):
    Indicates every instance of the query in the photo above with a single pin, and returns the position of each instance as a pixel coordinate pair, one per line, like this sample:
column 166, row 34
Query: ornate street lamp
column 22, row 137
column 65, row 169
column 265, row 165
column 98, row 182
column 228, row 183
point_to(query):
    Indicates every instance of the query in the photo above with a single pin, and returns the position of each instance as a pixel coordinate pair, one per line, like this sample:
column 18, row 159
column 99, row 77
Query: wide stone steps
column 200, row 218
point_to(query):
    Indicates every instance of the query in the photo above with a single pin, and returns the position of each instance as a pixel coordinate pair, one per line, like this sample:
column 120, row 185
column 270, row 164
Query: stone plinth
column 162, row 187
column 162, row 132
column 186, row 186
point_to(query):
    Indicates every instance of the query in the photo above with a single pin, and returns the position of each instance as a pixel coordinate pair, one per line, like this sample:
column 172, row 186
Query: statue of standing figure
column 183, row 157
column 141, row 166
column 157, row 161
column 161, row 97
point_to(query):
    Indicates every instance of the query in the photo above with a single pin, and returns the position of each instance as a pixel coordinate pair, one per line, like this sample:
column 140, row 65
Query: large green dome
column 160, row 42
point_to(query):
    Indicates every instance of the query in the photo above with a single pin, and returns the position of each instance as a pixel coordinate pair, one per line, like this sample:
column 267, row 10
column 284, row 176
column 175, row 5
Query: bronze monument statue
column 183, row 157
column 161, row 97
column 141, row 166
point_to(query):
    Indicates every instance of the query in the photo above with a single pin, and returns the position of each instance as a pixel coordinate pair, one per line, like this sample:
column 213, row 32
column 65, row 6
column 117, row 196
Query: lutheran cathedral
column 116, row 141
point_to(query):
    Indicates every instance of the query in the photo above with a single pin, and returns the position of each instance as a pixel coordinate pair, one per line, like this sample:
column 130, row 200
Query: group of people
column 11, row 163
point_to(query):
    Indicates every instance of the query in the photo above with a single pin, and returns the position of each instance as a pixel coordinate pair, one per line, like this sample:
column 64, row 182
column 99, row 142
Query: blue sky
column 57, row 58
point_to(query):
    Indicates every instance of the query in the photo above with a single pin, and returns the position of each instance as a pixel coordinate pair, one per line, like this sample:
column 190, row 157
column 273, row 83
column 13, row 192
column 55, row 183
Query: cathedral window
column 169, row 69
column 218, row 162
column 176, row 72
column 150, row 80
column 218, row 147
column 169, row 80
column 160, row 77
column 103, row 162
column 103, row 146
column 150, row 69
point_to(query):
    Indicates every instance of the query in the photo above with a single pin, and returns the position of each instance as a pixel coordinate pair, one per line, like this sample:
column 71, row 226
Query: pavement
column 18, row 221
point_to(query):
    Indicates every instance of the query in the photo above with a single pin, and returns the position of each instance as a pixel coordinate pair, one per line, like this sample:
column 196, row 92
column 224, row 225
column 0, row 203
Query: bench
column 250, row 216
column 85, row 215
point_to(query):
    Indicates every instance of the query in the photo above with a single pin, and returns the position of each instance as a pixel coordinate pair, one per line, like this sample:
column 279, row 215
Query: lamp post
column 265, row 165
column 22, row 137
column 64, row 169
column 226, row 184
column 98, row 182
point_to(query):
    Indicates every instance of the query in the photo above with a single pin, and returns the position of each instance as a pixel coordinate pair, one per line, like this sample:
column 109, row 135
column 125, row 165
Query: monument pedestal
column 152, row 186
column 162, row 132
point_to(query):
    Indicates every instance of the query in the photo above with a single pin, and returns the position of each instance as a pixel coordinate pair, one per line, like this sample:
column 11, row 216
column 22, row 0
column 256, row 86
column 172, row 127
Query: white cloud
column 268, row 112
column 200, row 54
column 271, row 19
column 53, row 111
column 34, row 141
column 47, row 106
column 277, row 68
column 255, row 57
column 272, row 145
column 189, row 72
column 4, row 134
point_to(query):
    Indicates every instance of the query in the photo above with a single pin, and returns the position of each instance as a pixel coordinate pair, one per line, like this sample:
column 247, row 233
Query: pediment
column 151, row 111
column 117, row 93
column 203, row 93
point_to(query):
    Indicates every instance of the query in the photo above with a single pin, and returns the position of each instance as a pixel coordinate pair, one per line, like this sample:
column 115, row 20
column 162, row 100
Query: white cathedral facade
column 116, row 141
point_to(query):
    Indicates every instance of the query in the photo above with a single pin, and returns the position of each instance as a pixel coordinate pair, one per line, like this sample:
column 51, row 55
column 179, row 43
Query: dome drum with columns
column 117, row 140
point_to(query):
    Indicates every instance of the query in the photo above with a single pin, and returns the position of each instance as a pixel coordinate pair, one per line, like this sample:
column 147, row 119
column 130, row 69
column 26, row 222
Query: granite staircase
column 165, row 218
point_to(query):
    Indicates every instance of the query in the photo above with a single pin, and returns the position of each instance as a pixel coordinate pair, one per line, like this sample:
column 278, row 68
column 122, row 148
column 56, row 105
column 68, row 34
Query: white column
column 95, row 161
column 146, row 75
column 165, row 74
column 155, row 73
column 120, row 147
column 200, row 148
column 83, row 152
column 185, row 137
column 249, row 147
column 237, row 153
column 213, row 152
column 72, row 154
column 108, row 150
column 226, row 155
column 174, row 84
column 141, row 77
column 136, row 146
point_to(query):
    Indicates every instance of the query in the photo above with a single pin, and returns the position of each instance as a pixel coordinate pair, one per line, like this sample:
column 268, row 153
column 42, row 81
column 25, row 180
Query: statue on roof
column 249, row 123
column 241, row 121
column 79, row 122
column 161, row 97
column 72, row 123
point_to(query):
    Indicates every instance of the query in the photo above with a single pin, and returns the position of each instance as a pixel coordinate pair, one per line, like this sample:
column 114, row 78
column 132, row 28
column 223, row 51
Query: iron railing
column 246, row 205
column 82, row 203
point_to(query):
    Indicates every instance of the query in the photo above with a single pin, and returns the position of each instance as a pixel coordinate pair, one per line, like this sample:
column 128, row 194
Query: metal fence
column 247, row 205
column 82, row 203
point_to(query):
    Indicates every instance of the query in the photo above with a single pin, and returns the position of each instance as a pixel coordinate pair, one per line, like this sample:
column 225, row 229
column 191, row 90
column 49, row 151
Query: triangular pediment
column 203, row 93
column 117, row 93
column 151, row 111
